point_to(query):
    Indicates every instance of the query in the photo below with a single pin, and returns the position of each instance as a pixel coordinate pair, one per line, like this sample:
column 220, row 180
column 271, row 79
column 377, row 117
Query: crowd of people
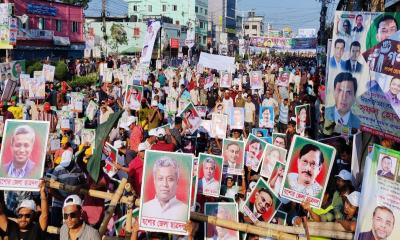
column 80, row 216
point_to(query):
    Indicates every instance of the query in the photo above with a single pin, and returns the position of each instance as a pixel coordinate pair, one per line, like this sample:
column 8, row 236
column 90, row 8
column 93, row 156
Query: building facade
column 222, row 15
column 253, row 25
column 48, row 29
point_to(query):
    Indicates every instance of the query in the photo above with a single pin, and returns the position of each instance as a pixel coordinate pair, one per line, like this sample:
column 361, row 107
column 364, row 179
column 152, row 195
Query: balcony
column 34, row 34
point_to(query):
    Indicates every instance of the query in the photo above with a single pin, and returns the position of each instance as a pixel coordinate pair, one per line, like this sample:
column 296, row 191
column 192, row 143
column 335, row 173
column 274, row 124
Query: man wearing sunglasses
column 26, row 214
column 74, row 227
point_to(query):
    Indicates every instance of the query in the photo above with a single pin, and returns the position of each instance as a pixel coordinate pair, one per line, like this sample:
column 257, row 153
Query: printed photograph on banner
column 353, row 34
column 9, row 90
column 237, row 118
column 260, row 132
column 108, row 75
column 182, row 103
column 303, row 118
column 387, row 166
column 37, row 88
column 279, row 218
column 23, row 154
column 233, row 153
column 133, row 97
column 88, row 137
column 91, row 110
column 225, row 79
column 76, row 101
column 202, row 111
column 254, row 151
column 148, row 44
column 48, row 72
column 309, row 164
column 209, row 174
column 225, row 211
column 109, row 156
column 170, row 106
column 275, row 181
column 219, row 108
column 262, row 203
column 166, row 192
column 191, row 120
column 219, row 125
column 379, row 209
column 120, row 224
column 266, row 117
column 17, row 68
column 279, row 140
column 194, row 184
column 209, row 82
column 272, row 155
column 256, row 80
column 79, row 124
column 283, row 79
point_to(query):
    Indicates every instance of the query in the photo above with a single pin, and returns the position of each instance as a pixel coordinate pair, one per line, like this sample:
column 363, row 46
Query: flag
column 102, row 132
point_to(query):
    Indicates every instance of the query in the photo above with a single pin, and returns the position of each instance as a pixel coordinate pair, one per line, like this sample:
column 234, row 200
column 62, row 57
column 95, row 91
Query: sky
column 280, row 13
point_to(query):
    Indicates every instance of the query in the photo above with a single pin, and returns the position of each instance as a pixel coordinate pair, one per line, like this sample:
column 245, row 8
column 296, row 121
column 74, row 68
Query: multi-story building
column 222, row 14
column 48, row 29
column 201, row 10
column 253, row 25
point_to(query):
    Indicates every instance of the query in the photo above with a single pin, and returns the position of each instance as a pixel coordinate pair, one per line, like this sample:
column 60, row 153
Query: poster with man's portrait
column 37, row 88
column 254, row 151
column 272, row 155
column 170, row 106
column 166, row 192
column 202, row 110
column 266, row 117
column 133, row 97
column 23, row 154
column 262, row 203
column 225, row 211
column 309, row 164
column 303, row 118
column 225, row 79
column 17, row 68
column 79, row 124
column 219, row 125
column 279, row 218
column 387, row 166
column 275, row 180
column 209, row 174
column 191, row 120
column 48, row 72
column 88, row 137
column 76, row 102
column 236, row 118
column 110, row 154
column 91, row 110
column 279, row 139
column 256, row 81
column 233, row 153
column 260, row 132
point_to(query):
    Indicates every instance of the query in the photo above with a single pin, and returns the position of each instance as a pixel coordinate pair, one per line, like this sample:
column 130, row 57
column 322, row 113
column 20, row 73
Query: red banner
column 174, row 43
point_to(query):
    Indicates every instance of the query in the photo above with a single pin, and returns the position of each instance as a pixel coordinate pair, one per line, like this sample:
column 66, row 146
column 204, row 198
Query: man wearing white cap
column 162, row 144
column 74, row 227
column 350, row 209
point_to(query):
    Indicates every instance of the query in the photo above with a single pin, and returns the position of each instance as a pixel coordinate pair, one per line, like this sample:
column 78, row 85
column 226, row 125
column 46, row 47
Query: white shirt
column 249, row 110
column 345, row 118
column 211, row 186
column 17, row 172
column 174, row 93
column 173, row 210
column 312, row 190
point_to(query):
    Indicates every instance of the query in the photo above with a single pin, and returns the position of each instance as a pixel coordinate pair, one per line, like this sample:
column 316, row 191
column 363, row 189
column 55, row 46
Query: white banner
column 221, row 63
column 148, row 45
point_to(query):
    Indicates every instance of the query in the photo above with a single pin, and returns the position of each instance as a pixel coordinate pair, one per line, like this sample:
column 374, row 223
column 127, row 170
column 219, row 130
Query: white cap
column 154, row 103
column 142, row 147
column 153, row 132
column 72, row 200
column 345, row 175
column 30, row 204
column 354, row 198
column 118, row 144
column 160, row 132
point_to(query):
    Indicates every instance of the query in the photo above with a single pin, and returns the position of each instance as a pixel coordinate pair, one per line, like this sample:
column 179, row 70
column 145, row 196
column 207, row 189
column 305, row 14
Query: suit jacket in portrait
column 33, row 170
column 366, row 236
column 251, row 207
column 386, row 175
column 347, row 67
column 353, row 122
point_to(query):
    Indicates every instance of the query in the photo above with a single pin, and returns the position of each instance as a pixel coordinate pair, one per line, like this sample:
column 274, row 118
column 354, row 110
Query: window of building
column 175, row 7
column 164, row 8
column 135, row 8
column 41, row 24
column 205, row 12
column 58, row 25
column 201, row 24
column 177, row 23
column 246, row 26
column 196, row 9
column 254, row 27
column 149, row 8
column 204, row 39
column 23, row 25
column 75, row 27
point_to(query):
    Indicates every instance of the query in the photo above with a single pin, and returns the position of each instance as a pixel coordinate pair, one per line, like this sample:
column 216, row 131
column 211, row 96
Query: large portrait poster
column 226, row 79
column 236, row 120
column 167, row 181
column 353, row 34
column 148, row 44
column 272, row 155
column 233, row 153
column 266, row 117
column 48, row 72
column 309, row 164
column 225, row 211
column 254, row 151
column 303, row 118
column 379, row 210
column 256, row 80
column 23, row 154
column 88, row 137
column 91, row 110
column 17, row 68
column 209, row 174
column 262, row 203
column 219, row 125
column 133, row 97
column 191, row 120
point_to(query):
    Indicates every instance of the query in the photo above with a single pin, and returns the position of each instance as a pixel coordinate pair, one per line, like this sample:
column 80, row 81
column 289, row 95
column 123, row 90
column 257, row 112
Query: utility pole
column 322, row 21
column 103, row 15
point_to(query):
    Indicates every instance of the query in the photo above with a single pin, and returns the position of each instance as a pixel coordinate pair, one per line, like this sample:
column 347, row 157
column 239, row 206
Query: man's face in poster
column 208, row 169
column 359, row 21
column 237, row 117
column 354, row 53
column 21, row 146
column 386, row 29
column 233, row 151
column 339, row 50
column 18, row 68
column 382, row 224
column 309, row 167
column 345, row 96
column 386, row 164
column 263, row 201
column 166, row 182
column 266, row 115
column 254, row 150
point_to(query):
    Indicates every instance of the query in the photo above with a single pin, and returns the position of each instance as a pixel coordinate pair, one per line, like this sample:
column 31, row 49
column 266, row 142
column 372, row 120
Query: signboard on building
column 38, row 9
column 174, row 43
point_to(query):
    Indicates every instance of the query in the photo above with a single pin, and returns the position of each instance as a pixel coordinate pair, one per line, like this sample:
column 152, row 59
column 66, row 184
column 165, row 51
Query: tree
column 83, row 3
column 118, row 36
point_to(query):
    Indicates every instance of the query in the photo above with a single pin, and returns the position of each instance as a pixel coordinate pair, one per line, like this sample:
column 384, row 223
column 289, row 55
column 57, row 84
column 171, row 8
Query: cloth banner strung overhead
column 221, row 63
